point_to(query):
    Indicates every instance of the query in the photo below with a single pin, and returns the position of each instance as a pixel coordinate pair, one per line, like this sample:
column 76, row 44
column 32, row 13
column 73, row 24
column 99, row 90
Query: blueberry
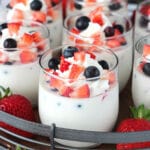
column 119, row 27
column 109, row 31
column 9, row 63
column 146, row 69
column 69, row 51
column 104, row 64
column 91, row 72
column 143, row 21
column 53, row 63
column 77, row 4
column 82, row 23
column 115, row 6
column 36, row 5
column 3, row 26
column 10, row 43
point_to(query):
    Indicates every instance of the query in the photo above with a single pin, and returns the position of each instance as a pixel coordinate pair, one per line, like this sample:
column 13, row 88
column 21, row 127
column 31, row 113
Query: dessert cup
column 142, row 20
column 76, row 6
column 43, row 11
column 140, row 77
column 95, row 33
column 21, row 44
column 80, row 103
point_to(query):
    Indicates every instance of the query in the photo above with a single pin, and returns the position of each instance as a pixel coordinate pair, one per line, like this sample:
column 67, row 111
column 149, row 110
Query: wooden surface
column 124, row 112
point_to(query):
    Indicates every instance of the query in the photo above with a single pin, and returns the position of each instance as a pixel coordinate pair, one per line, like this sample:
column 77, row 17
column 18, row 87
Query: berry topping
column 146, row 69
column 10, row 43
column 82, row 23
column 64, row 65
column 109, row 31
column 104, row 64
column 115, row 6
column 119, row 27
column 145, row 9
column 77, row 5
column 69, row 51
column 53, row 63
column 36, row 5
column 143, row 21
column 91, row 72
column 3, row 26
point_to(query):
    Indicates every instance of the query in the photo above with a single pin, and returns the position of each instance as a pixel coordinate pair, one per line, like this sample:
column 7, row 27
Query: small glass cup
column 46, row 12
column 141, row 75
column 142, row 19
column 121, row 44
column 79, row 103
column 76, row 6
column 21, row 44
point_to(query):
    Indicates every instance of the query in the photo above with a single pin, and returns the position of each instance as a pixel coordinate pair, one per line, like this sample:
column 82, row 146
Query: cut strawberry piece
column 113, row 43
column 117, row 32
column 146, row 50
column 39, row 16
column 56, row 83
column 91, row 55
column 14, row 27
column 111, row 77
column 98, row 19
column 81, row 92
column 18, row 14
column 65, row 91
column 74, row 31
column 145, row 10
column 140, row 66
column 26, row 40
column 76, row 70
column 14, row 2
column 79, row 56
column 64, row 65
column 27, row 56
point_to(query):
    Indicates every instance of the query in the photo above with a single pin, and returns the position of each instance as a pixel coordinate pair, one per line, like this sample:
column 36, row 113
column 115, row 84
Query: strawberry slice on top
column 14, row 27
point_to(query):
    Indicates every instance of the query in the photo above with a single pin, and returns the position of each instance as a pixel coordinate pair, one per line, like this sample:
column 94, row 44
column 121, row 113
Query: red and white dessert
column 76, row 6
column 102, row 29
column 78, row 86
column 141, row 74
column 20, row 45
column 48, row 12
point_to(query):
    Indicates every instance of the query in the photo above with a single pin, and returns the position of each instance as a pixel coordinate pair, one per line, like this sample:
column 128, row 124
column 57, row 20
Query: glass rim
column 106, row 38
column 25, row 23
column 89, row 79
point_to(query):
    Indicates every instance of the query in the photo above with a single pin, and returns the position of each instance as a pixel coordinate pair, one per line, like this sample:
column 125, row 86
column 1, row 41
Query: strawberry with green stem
column 18, row 106
column 139, row 122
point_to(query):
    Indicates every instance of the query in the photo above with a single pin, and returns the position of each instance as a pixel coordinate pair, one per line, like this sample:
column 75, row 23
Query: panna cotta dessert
column 103, row 29
column 48, row 12
column 76, row 6
column 21, row 44
column 78, row 84
column 142, row 20
column 141, row 73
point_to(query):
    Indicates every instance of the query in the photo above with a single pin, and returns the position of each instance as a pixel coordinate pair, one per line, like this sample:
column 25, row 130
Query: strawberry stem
column 140, row 112
column 4, row 92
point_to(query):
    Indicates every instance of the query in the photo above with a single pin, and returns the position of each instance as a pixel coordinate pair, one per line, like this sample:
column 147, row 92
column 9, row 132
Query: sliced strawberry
column 26, row 40
column 80, row 41
column 65, row 91
column 14, row 27
column 113, row 43
column 146, row 49
column 39, row 16
column 76, row 70
column 145, row 10
column 27, row 56
column 18, row 14
column 56, row 83
column 117, row 32
column 74, row 31
column 64, row 65
column 81, row 92
column 111, row 77
column 140, row 66
column 91, row 55
column 14, row 2
column 79, row 56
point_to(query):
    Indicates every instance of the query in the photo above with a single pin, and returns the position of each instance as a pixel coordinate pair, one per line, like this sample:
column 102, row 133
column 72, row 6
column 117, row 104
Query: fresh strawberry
column 65, row 91
column 73, row 31
column 56, row 83
column 39, row 16
column 145, row 10
column 14, row 2
column 27, row 56
column 64, row 65
column 81, row 92
column 14, row 27
column 79, row 56
column 76, row 70
column 18, row 106
column 139, row 122
column 113, row 43
column 146, row 49
column 18, row 14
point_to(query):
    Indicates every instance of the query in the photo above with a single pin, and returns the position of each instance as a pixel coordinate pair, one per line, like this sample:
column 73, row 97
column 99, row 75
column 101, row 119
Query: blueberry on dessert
column 146, row 69
column 36, row 5
column 104, row 64
column 10, row 43
column 115, row 6
column 109, row 31
column 2, row 26
column 91, row 72
column 82, row 23
column 69, row 51
column 77, row 4
column 143, row 21
column 53, row 63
